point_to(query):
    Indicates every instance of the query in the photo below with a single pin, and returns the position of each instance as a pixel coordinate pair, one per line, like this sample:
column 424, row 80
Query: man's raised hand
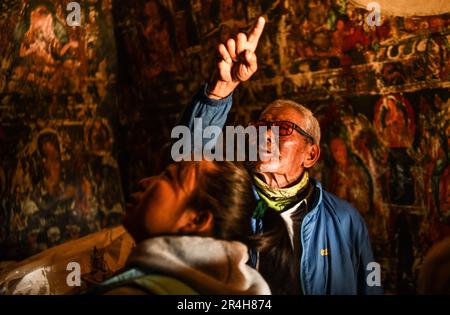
column 238, row 61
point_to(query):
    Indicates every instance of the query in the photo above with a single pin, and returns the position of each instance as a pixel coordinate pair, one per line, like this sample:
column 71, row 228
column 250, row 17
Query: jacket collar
column 317, row 198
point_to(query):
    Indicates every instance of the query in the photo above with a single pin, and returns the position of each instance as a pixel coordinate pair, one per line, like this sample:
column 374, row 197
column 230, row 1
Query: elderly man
column 330, row 243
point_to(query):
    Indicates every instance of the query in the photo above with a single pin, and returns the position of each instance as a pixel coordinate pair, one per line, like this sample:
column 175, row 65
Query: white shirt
column 286, row 215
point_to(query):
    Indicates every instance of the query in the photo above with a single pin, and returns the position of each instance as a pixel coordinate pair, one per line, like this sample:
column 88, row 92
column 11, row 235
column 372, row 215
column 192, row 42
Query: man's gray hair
column 310, row 123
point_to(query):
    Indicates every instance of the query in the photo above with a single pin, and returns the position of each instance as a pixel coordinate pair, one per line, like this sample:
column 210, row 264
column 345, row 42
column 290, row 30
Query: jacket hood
column 208, row 265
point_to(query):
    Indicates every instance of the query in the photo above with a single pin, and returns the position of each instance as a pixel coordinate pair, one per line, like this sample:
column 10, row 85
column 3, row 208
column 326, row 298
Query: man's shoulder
column 334, row 201
column 348, row 219
column 341, row 208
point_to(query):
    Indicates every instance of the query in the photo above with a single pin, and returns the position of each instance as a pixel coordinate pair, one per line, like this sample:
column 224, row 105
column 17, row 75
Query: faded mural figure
column 98, row 137
column 38, row 187
column 347, row 178
column 433, row 161
column 442, row 168
column 66, row 200
column 444, row 193
column 56, row 80
column 51, row 161
column 158, row 40
column 40, row 40
column 226, row 10
column 443, row 162
column 86, row 201
column 53, row 188
column 102, row 79
column 44, row 42
column 394, row 122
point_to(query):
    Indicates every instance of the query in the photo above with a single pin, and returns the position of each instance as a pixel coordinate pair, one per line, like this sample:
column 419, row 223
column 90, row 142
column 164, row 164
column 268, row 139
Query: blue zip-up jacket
column 336, row 251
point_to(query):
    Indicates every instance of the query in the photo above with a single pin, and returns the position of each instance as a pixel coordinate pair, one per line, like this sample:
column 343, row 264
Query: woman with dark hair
column 192, row 226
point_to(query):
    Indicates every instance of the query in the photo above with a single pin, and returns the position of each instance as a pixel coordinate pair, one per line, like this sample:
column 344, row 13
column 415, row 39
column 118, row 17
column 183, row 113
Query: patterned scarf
column 280, row 199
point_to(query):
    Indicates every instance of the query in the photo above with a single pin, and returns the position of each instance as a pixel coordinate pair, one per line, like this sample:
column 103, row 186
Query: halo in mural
column 394, row 121
column 98, row 136
column 47, row 135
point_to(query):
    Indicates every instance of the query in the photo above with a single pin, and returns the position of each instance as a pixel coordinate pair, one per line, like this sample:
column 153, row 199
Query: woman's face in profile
column 159, row 207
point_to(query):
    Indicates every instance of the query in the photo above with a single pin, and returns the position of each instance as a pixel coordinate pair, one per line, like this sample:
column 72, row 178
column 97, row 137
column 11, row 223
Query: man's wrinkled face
column 292, row 148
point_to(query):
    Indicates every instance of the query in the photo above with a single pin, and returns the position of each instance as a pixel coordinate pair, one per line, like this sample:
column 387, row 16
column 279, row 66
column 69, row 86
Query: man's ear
column 195, row 222
column 312, row 157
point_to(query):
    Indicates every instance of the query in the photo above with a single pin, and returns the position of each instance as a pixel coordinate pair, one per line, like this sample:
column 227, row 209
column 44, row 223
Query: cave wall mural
column 381, row 95
column 87, row 111
column 58, row 173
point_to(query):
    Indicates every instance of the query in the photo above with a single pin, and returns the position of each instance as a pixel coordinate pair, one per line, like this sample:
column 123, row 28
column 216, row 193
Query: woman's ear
column 312, row 157
column 195, row 222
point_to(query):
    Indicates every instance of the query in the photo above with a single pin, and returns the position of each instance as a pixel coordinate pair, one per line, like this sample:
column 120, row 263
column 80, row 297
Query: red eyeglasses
column 285, row 128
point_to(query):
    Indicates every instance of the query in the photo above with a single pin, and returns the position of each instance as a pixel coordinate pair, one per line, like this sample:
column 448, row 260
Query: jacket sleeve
column 369, row 271
column 211, row 112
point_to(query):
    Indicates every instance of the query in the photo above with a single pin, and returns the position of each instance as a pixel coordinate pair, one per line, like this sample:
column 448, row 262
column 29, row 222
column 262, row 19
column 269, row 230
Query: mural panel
column 59, row 175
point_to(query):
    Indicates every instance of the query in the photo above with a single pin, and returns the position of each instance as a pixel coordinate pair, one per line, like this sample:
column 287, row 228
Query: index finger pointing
column 255, row 34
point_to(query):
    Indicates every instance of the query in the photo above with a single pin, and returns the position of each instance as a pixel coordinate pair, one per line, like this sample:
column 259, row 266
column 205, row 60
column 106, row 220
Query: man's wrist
column 220, row 89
